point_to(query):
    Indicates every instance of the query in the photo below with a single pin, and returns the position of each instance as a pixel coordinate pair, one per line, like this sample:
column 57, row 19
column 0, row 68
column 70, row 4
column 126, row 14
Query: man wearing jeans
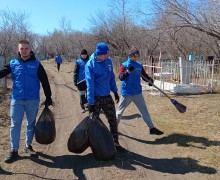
column 131, row 90
column 26, row 73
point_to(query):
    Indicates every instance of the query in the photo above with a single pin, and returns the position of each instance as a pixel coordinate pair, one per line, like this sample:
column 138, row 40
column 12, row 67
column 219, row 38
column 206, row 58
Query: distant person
column 26, row 73
column 131, row 90
column 79, row 77
column 100, row 80
column 58, row 60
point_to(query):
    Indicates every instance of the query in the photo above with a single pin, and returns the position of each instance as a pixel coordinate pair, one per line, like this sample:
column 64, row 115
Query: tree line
column 163, row 29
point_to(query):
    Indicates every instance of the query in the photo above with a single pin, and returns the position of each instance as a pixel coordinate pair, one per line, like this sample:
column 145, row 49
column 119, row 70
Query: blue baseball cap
column 101, row 49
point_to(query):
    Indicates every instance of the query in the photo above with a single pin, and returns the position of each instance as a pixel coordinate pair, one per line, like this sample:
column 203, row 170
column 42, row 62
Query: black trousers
column 83, row 100
column 107, row 104
column 58, row 66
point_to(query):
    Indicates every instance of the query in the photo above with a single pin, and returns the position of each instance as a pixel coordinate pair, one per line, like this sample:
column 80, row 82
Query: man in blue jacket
column 26, row 73
column 79, row 77
column 131, row 90
column 100, row 80
column 58, row 60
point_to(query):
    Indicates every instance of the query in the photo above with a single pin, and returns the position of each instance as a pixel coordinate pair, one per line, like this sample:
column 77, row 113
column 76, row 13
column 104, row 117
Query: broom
column 180, row 107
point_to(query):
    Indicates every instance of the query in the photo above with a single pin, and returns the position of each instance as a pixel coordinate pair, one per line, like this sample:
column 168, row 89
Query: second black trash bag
column 100, row 139
column 79, row 140
column 45, row 131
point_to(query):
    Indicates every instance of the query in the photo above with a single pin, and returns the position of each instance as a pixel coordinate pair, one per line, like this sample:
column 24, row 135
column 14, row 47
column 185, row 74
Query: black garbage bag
column 100, row 139
column 79, row 140
column 45, row 130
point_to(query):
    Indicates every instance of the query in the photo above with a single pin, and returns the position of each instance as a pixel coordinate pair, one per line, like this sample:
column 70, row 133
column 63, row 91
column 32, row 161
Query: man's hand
column 90, row 107
column 75, row 83
column 151, row 81
column 130, row 67
column 116, row 97
column 48, row 101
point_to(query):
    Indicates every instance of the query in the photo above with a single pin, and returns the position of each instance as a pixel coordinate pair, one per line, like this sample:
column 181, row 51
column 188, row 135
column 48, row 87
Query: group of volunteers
column 95, row 80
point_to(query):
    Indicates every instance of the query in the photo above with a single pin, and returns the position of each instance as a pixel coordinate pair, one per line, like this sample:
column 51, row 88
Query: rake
column 81, row 81
column 180, row 107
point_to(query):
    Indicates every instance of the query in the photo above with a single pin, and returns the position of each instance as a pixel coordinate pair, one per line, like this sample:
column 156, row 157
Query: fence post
column 213, row 64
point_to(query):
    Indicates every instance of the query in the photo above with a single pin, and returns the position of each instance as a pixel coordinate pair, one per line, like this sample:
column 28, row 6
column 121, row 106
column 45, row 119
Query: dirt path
column 143, row 160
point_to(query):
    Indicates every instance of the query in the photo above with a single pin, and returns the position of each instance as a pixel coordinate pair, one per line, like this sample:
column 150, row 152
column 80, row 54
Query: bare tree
column 201, row 15
column 114, row 27
column 13, row 26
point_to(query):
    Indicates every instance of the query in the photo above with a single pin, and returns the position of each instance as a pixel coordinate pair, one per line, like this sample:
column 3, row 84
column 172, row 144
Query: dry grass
column 193, row 134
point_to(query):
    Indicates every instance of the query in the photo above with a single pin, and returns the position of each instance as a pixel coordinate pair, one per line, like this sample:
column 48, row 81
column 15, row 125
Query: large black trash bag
column 45, row 131
column 100, row 139
column 79, row 140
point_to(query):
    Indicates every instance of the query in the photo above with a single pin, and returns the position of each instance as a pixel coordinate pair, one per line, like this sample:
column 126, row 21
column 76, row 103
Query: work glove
column 151, row 81
column 90, row 107
column 130, row 67
column 48, row 101
column 116, row 97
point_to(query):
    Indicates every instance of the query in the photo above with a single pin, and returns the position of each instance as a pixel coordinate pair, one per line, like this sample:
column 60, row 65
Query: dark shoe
column 30, row 151
column 155, row 131
column 13, row 156
column 119, row 148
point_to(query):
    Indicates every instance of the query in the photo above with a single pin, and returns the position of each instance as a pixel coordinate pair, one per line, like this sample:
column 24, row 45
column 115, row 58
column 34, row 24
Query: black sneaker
column 30, row 151
column 13, row 156
column 156, row 131
column 119, row 148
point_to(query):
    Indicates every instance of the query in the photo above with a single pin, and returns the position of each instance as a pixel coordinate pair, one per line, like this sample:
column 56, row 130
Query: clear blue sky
column 45, row 15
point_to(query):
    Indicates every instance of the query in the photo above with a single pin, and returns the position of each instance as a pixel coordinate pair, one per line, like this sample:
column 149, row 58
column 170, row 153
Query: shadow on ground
column 127, row 161
column 2, row 171
column 181, row 140
column 131, row 117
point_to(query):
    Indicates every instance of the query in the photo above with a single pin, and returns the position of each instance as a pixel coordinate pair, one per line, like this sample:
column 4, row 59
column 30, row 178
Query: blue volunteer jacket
column 79, row 71
column 100, row 78
column 26, row 84
column 58, row 59
column 132, row 84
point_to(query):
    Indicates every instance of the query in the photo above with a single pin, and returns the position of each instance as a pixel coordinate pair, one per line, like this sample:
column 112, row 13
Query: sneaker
column 13, row 156
column 119, row 148
column 155, row 131
column 28, row 149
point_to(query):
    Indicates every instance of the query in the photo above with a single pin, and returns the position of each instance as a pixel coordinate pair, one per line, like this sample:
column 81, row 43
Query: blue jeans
column 17, row 111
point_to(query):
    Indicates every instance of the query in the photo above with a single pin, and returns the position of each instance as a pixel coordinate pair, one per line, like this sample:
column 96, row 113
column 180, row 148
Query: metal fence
column 189, row 78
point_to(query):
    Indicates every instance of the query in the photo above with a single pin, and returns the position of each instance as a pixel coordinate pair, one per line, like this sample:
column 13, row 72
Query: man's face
column 24, row 50
column 84, row 56
column 135, row 58
column 103, row 57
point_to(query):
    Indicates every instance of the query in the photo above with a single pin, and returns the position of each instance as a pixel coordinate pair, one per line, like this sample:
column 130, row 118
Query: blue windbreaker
column 100, row 78
column 132, row 84
column 26, row 84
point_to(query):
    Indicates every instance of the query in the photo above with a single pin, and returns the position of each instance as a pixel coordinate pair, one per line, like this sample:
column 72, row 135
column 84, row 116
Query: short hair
column 24, row 41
